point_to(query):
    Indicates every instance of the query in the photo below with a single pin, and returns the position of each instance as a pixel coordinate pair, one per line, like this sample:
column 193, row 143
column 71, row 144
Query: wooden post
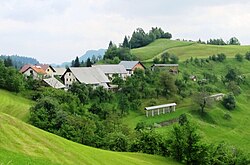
column 158, row 111
column 163, row 110
column 152, row 112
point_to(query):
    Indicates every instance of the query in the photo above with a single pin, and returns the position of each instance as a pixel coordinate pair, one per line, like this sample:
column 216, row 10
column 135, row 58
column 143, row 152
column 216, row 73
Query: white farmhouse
column 85, row 75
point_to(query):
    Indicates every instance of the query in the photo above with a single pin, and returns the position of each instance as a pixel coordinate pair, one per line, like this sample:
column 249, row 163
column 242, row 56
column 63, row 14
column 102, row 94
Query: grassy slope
column 185, row 50
column 14, row 105
column 204, row 51
column 21, row 143
column 213, row 127
column 157, row 47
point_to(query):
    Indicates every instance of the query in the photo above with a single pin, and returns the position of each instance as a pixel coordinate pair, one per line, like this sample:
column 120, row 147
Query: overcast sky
column 54, row 31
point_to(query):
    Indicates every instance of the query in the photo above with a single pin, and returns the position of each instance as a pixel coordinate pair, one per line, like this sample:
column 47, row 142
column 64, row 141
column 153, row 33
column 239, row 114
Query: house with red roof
column 33, row 71
column 38, row 71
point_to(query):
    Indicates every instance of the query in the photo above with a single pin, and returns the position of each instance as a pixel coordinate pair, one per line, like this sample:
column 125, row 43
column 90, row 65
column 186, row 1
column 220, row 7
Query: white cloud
column 54, row 31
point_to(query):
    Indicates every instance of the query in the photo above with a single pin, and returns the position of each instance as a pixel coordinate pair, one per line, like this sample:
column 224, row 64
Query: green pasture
column 185, row 50
column 21, row 143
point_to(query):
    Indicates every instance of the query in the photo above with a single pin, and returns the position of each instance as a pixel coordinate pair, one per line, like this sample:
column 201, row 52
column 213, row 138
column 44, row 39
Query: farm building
column 131, row 66
column 38, row 71
column 86, row 75
column 33, row 71
column 172, row 68
column 59, row 71
column 112, row 69
column 54, row 83
column 48, row 69
column 160, row 109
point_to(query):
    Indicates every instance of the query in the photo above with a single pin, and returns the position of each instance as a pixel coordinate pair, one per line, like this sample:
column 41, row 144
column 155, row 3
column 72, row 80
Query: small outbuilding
column 216, row 97
column 131, row 66
column 172, row 68
column 160, row 109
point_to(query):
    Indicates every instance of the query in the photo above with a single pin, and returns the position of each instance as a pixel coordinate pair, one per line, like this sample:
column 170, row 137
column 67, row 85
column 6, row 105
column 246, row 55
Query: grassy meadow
column 157, row 47
column 21, row 143
column 14, row 105
column 185, row 50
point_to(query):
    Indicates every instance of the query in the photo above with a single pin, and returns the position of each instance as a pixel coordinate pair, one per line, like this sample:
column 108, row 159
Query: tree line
column 220, row 41
column 18, row 61
column 140, row 38
column 87, row 63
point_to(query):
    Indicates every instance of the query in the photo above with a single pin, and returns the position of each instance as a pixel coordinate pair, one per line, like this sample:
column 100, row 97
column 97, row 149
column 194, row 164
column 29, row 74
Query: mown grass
column 203, row 51
column 14, row 105
column 157, row 47
column 9, row 158
column 185, row 50
column 21, row 143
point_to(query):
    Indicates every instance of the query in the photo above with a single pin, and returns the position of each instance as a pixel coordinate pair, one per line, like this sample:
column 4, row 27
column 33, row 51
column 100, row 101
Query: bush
column 239, row 57
column 229, row 102
column 247, row 56
column 227, row 116
column 148, row 141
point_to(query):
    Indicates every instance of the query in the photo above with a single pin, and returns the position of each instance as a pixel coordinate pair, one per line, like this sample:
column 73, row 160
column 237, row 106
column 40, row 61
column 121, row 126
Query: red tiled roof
column 46, row 66
column 43, row 66
column 25, row 67
column 38, row 69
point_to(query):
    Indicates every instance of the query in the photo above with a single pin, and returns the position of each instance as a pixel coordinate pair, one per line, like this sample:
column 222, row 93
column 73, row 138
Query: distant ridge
column 88, row 54
column 19, row 61
column 91, row 53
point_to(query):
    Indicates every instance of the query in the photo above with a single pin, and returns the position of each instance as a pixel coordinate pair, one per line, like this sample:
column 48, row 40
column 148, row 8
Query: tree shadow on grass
column 203, row 116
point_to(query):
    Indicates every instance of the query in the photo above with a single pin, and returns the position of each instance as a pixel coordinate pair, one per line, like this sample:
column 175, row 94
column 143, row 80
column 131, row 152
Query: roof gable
column 25, row 67
column 46, row 66
column 129, row 65
column 59, row 71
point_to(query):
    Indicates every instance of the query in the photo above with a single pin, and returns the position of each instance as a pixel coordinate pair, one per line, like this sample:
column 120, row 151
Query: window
column 48, row 70
column 69, row 79
column 66, row 79
column 31, row 72
column 69, row 74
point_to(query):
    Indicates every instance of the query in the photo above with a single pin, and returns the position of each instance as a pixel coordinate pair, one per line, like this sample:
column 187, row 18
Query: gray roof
column 160, row 106
column 129, row 65
column 89, row 75
column 59, row 71
column 165, row 65
column 53, row 82
column 112, row 68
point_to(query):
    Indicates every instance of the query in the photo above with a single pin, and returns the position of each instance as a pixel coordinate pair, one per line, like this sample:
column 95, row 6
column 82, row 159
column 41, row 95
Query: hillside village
column 96, row 75
column 135, row 101
column 107, row 82
column 122, row 85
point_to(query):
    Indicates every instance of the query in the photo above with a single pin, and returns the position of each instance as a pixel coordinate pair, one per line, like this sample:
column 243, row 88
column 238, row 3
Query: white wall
column 69, row 78
column 30, row 72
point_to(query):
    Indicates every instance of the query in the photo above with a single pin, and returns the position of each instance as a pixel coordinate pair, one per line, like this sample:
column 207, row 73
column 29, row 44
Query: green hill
column 21, row 143
column 213, row 126
column 184, row 49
